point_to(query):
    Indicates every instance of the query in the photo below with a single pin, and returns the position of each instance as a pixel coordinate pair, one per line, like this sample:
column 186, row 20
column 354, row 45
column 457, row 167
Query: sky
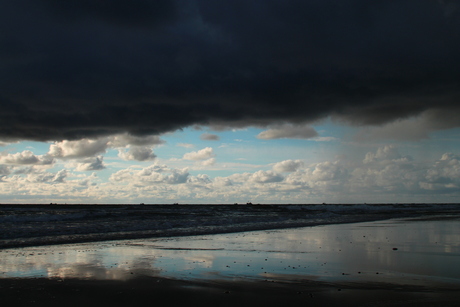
column 230, row 101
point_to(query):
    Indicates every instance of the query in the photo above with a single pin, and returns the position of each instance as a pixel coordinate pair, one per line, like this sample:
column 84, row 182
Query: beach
column 144, row 292
column 393, row 262
column 34, row 225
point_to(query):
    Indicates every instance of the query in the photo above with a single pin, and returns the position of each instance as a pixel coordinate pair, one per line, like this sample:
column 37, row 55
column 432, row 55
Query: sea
column 36, row 225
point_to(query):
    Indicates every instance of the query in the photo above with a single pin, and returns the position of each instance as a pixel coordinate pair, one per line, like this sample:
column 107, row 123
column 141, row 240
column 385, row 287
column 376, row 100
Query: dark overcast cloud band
column 73, row 69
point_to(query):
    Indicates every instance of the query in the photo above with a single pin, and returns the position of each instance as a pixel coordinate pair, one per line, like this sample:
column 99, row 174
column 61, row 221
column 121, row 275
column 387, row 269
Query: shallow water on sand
column 409, row 252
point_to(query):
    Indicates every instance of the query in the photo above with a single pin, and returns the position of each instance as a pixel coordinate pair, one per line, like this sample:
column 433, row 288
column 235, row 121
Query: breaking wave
column 25, row 225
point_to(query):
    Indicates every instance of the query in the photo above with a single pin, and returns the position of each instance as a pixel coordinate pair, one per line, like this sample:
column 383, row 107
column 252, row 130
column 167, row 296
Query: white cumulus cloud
column 385, row 154
column 26, row 158
column 266, row 177
column 137, row 153
column 78, row 149
column 151, row 175
column 288, row 166
column 91, row 164
column 203, row 154
column 444, row 175
column 46, row 177
column 123, row 140
column 208, row 162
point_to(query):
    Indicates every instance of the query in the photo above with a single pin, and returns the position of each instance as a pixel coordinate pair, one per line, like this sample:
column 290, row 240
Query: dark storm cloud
column 118, row 12
column 72, row 69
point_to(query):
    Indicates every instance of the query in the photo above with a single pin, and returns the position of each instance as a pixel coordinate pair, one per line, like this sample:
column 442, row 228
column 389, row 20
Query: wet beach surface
column 34, row 225
column 157, row 291
column 401, row 262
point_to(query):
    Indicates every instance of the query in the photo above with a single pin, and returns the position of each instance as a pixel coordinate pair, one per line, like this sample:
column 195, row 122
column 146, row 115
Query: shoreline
column 26, row 226
column 359, row 286
column 177, row 232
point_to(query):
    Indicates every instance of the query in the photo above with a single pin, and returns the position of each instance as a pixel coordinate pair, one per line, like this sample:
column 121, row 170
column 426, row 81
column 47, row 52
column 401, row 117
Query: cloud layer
column 75, row 69
column 383, row 175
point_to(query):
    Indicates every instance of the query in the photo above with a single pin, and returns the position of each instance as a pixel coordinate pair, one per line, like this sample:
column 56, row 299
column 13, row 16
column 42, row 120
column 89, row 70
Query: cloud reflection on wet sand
column 423, row 252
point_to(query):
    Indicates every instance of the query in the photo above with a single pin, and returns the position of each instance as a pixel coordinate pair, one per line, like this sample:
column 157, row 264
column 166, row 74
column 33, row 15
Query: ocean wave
column 25, row 225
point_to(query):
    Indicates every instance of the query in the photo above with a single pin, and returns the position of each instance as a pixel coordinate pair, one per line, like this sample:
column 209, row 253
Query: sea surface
column 421, row 252
column 36, row 225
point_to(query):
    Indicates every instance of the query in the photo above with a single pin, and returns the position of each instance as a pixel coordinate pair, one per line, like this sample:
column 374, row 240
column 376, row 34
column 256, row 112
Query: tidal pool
column 408, row 252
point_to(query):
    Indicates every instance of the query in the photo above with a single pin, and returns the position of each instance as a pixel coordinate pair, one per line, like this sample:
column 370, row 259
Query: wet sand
column 154, row 291
column 387, row 263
